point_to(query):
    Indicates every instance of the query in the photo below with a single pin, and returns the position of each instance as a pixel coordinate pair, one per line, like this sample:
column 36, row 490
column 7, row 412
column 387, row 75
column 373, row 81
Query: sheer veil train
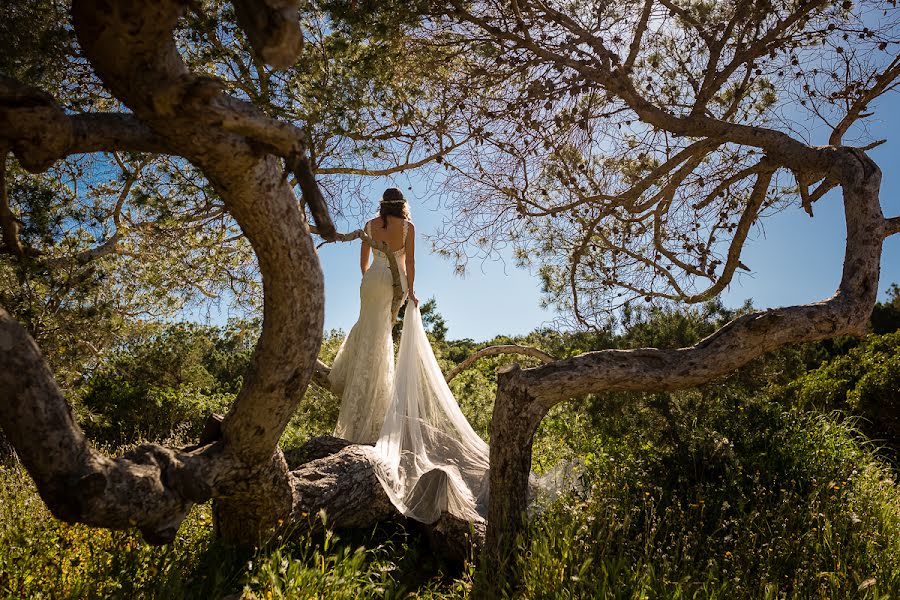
column 433, row 460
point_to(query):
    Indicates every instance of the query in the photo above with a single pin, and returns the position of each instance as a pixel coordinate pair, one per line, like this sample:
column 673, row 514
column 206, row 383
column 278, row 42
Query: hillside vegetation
column 776, row 482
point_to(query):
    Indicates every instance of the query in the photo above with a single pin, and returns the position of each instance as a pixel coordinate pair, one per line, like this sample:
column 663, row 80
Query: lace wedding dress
column 363, row 370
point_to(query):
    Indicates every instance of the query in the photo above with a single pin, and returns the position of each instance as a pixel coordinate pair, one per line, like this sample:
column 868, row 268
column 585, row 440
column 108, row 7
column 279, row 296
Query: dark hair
column 393, row 204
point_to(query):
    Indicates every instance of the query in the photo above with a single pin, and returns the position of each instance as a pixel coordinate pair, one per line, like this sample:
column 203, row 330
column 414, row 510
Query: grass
column 733, row 499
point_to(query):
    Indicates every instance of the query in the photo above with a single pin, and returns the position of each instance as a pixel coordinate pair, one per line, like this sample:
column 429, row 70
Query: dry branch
column 495, row 351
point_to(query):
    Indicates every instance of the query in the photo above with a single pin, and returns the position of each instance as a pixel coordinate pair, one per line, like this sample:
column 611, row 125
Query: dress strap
column 405, row 227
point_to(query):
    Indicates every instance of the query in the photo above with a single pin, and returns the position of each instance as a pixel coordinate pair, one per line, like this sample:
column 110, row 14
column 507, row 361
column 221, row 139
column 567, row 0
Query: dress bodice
column 379, row 255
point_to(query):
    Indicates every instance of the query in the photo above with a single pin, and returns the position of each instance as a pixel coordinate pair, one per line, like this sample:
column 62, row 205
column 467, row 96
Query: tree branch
column 882, row 82
column 891, row 226
column 635, row 45
column 395, row 169
column 133, row 51
column 312, row 196
column 273, row 29
column 779, row 146
column 749, row 336
column 496, row 351
column 40, row 132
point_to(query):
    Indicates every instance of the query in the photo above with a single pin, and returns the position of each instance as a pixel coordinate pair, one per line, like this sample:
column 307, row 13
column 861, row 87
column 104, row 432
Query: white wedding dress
column 432, row 460
column 429, row 459
column 363, row 370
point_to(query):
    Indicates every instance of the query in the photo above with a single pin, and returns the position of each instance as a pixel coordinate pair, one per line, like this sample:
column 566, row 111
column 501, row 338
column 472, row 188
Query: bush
column 747, row 503
column 864, row 382
column 116, row 411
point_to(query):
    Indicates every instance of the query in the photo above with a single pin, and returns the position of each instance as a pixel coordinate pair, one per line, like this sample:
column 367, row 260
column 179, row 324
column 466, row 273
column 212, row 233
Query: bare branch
column 882, row 82
column 749, row 336
column 635, row 46
column 496, row 351
column 395, row 169
column 891, row 226
column 312, row 196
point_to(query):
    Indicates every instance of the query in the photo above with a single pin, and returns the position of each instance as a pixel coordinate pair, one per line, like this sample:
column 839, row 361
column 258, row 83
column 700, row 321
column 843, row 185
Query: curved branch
column 748, row 218
column 496, row 351
column 312, row 196
column 153, row 487
column 144, row 488
column 40, row 132
column 749, row 336
column 395, row 169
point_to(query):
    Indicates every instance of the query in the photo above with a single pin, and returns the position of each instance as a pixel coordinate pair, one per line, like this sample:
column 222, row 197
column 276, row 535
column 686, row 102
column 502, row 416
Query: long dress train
column 432, row 460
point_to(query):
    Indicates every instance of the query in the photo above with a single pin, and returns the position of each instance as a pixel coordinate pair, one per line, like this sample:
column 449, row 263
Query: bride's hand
column 412, row 297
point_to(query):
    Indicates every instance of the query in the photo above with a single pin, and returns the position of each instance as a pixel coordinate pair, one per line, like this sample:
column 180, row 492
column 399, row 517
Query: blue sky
column 794, row 258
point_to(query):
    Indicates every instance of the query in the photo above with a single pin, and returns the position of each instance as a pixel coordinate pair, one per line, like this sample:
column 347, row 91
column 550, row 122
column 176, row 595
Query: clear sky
column 794, row 258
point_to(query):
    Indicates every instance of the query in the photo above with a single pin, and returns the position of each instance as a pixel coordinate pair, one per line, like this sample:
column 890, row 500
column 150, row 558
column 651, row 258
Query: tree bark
column 513, row 424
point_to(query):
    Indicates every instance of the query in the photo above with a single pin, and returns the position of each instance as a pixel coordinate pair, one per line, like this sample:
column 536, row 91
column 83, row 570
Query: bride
column 363, row 370
column 430, row 459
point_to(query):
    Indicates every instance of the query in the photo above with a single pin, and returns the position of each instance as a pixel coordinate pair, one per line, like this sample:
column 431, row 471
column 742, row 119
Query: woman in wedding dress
column 428, row 458
column 363, row 370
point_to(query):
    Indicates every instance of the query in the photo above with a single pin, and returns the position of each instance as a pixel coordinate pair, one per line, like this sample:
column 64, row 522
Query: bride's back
column 392, row 234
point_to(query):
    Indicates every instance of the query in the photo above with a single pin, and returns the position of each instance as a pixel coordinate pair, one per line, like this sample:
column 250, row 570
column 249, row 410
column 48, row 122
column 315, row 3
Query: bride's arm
column 364, row 257
column 411, row 262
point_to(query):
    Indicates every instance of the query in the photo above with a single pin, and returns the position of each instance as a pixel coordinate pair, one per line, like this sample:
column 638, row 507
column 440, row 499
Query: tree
column 236, row 161
column 175, row 112
column 621, row 142
column 101, row 239
column 634, row 147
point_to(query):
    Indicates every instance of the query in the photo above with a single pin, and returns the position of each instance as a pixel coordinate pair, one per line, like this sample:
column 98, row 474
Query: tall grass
column 784, row 505
column 738, row 500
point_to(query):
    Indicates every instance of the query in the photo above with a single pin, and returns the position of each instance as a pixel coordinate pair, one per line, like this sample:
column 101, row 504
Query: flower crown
column 400, row 201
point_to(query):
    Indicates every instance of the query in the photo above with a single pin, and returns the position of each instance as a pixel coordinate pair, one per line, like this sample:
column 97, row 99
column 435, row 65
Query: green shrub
column 864, row 382
column 115, row 411
column 757, row 503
